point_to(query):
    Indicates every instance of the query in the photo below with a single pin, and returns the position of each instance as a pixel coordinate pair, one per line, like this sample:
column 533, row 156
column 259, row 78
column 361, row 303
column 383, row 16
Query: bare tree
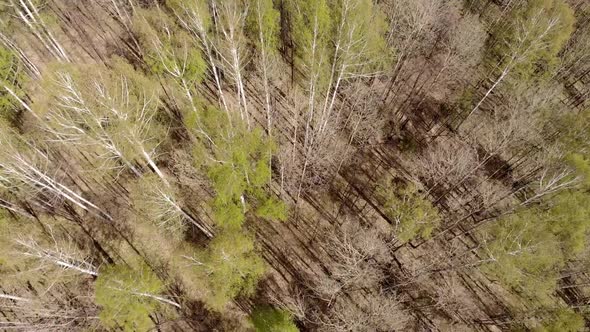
column 377, row 311
column 112, row 112
column 29, row 13
column 25, row 168
column 58, row 255
column 359, row 255
column 230, row 19
column 161, row 205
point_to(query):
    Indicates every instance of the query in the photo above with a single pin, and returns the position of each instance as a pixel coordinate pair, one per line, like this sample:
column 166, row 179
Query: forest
column 295, row 165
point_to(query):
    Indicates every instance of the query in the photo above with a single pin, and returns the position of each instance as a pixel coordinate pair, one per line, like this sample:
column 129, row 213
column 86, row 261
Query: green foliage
column 192, row 10
column 272, row 209
column 170, row 50
column 11, row 76
column 569, row 220
column 238, row 168
column 311, row 32
column 413, row 214
column 263, row 25
column 531, row 38
column 360, row 27
column 529, row 248
column 112, row 113
column 231, row 267
column 524, row 255
column 581, row 164
column 119, row 290
column 564, row 320
column 575, row 141
column 157, row 203
column 267, row 319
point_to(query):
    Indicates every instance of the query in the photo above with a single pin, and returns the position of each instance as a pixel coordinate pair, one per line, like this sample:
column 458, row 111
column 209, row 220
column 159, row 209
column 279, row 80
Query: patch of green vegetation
column 531, row 42
column 121, row 292
column 414, row 215
column 231, row 267
column 236, row 160
column 528, row 249
column 11, row 77
column 563, row 320
column 267, row 319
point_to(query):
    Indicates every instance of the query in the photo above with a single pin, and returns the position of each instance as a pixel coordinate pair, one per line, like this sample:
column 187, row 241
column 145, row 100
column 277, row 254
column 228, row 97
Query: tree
column 194, row 16
column 44, row 277
column 113, row 112
column 359, row 49
column 236, row 163
column 11, row 77
column 26, row 169
column 413, row 214
column 171, row 52
column 38, row 23
column 359, row 257
column 128, row 297
column 530, row 45
column 446, row 162
column 563, row 320
column 267, row 319
column 161, row 205
column 231, row 267
column 263, row 27
column 524, row 257
column 230, row 43
column 311, row 25
column 377, row 311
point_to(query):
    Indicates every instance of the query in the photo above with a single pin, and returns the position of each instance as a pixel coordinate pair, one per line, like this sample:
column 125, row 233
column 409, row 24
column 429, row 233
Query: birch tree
column 11, row 79
column 194, row 16
column 127, row 297
column 113, row 113
column 230, row 20
column 311, row 27
column 231, row 266
column 171, row 52
column 61, row 256
column 237, row 165
column 530, row 45
column 161, row 205
column 29, row 171
column 49, row 309
column 29, row 13
column 263, row 26
column 359, row 49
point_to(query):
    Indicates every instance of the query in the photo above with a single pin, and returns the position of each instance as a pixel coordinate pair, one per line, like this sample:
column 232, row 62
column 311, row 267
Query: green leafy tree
column 311, row 32
column 263, row 26
column 525, row 256
column 162, row 205
column 528, row 47
column 359, row 47
column 531, row 42
column 413, row 214
column 564, row 320
column 569, row 220
column 11, row 77
column 236, row 161
column 172, row 53
column 231, row 267
column 127, row 297
column 267, row 319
